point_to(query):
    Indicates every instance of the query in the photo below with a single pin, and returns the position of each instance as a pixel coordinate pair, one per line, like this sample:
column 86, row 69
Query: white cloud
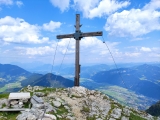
column 107, row 7
column 51, row 26
column 6, row 2
column 145, row 49
column 132, row 54
column 19, row 3
column 152, row 5
column 19, row 31
column 63, row 5
column 135, row 22
column 38, row 50
column 98, row 8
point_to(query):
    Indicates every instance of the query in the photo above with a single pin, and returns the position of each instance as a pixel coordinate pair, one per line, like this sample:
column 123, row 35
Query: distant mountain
column 154, row 109
column 86, row 71
column 11, row 73
column 12, row 70
column 31, row 79
column 143, row 79
column 51, row 80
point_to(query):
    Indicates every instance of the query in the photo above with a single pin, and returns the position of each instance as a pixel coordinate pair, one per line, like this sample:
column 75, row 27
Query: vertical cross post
column 77, row 66
column 77, row 36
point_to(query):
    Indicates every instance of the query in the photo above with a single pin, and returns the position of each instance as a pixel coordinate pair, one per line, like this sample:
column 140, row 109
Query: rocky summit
column 76, row 103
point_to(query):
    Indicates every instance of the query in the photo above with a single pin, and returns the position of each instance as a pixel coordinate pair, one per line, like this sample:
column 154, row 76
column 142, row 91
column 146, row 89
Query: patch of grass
column 85, row 109
column 75, row 96
column 91, row 118
column 9, row 115
column 61, row 110
column 5, row 95
column 3, row 105
column 46, row 90
column 105, row 97
column 26, row 105
column 135, row 117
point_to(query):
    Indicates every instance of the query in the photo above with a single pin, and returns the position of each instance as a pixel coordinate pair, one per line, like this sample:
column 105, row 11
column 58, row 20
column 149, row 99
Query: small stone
column 112, row 119
column 39, row 106
column 56, row 103
column 53, row 117
column 125, row 118
column 39, row 94
column 13, row 102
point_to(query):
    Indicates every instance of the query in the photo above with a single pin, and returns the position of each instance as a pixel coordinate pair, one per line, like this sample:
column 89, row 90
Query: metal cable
column 54, row 58
column 115, row 63
column 63, row 59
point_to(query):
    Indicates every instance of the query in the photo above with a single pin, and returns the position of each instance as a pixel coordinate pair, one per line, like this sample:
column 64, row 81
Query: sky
column 28, row 29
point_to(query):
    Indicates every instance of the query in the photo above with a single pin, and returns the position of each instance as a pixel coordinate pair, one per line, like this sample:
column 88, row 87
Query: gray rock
column 116, row 113
column 26, row 116
column 33, row 101
column 38, row 106
column 53, row 117
column 56, row 103
column 60, row 100
column 37, row 112
column 59, row 116
column 15, row 106
column 20, row 104
column 126, row 112
column 124, row 118
column 39, row 94
column 99, row 119
column 49, row 107
column 70, row 118
column 37, row 99
column 112, row 119
column 45, row 119
column 66, row 107
column 13, row 102
column 29, row 87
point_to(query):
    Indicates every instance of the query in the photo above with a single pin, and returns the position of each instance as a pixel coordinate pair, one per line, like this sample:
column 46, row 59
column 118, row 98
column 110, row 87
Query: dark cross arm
column 65, row 36
column 80, row 35
column 89, row 34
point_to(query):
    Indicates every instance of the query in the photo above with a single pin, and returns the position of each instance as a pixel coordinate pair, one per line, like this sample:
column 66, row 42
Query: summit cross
column 77, row 36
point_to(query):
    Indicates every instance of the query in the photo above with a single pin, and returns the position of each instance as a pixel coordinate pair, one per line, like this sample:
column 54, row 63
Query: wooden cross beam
column 77, row 36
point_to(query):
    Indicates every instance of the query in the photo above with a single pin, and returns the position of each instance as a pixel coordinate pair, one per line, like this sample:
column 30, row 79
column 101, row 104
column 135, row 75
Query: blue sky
column 28, row 30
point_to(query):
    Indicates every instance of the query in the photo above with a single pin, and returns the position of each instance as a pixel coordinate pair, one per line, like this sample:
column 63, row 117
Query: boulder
column 37, row 100
column 26, row 116
column 124, row 118
column 38, row 106
column 70, row 118
column 116, row 113
column 53, row 117
column 39, row 94
column 126, row 112
column 37, row 112
column 49, row 107
column 56, row 103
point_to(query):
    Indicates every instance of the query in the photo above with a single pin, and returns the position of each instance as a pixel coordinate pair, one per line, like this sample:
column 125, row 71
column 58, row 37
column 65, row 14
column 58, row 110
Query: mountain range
column 143, row 79
column 12, row 78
